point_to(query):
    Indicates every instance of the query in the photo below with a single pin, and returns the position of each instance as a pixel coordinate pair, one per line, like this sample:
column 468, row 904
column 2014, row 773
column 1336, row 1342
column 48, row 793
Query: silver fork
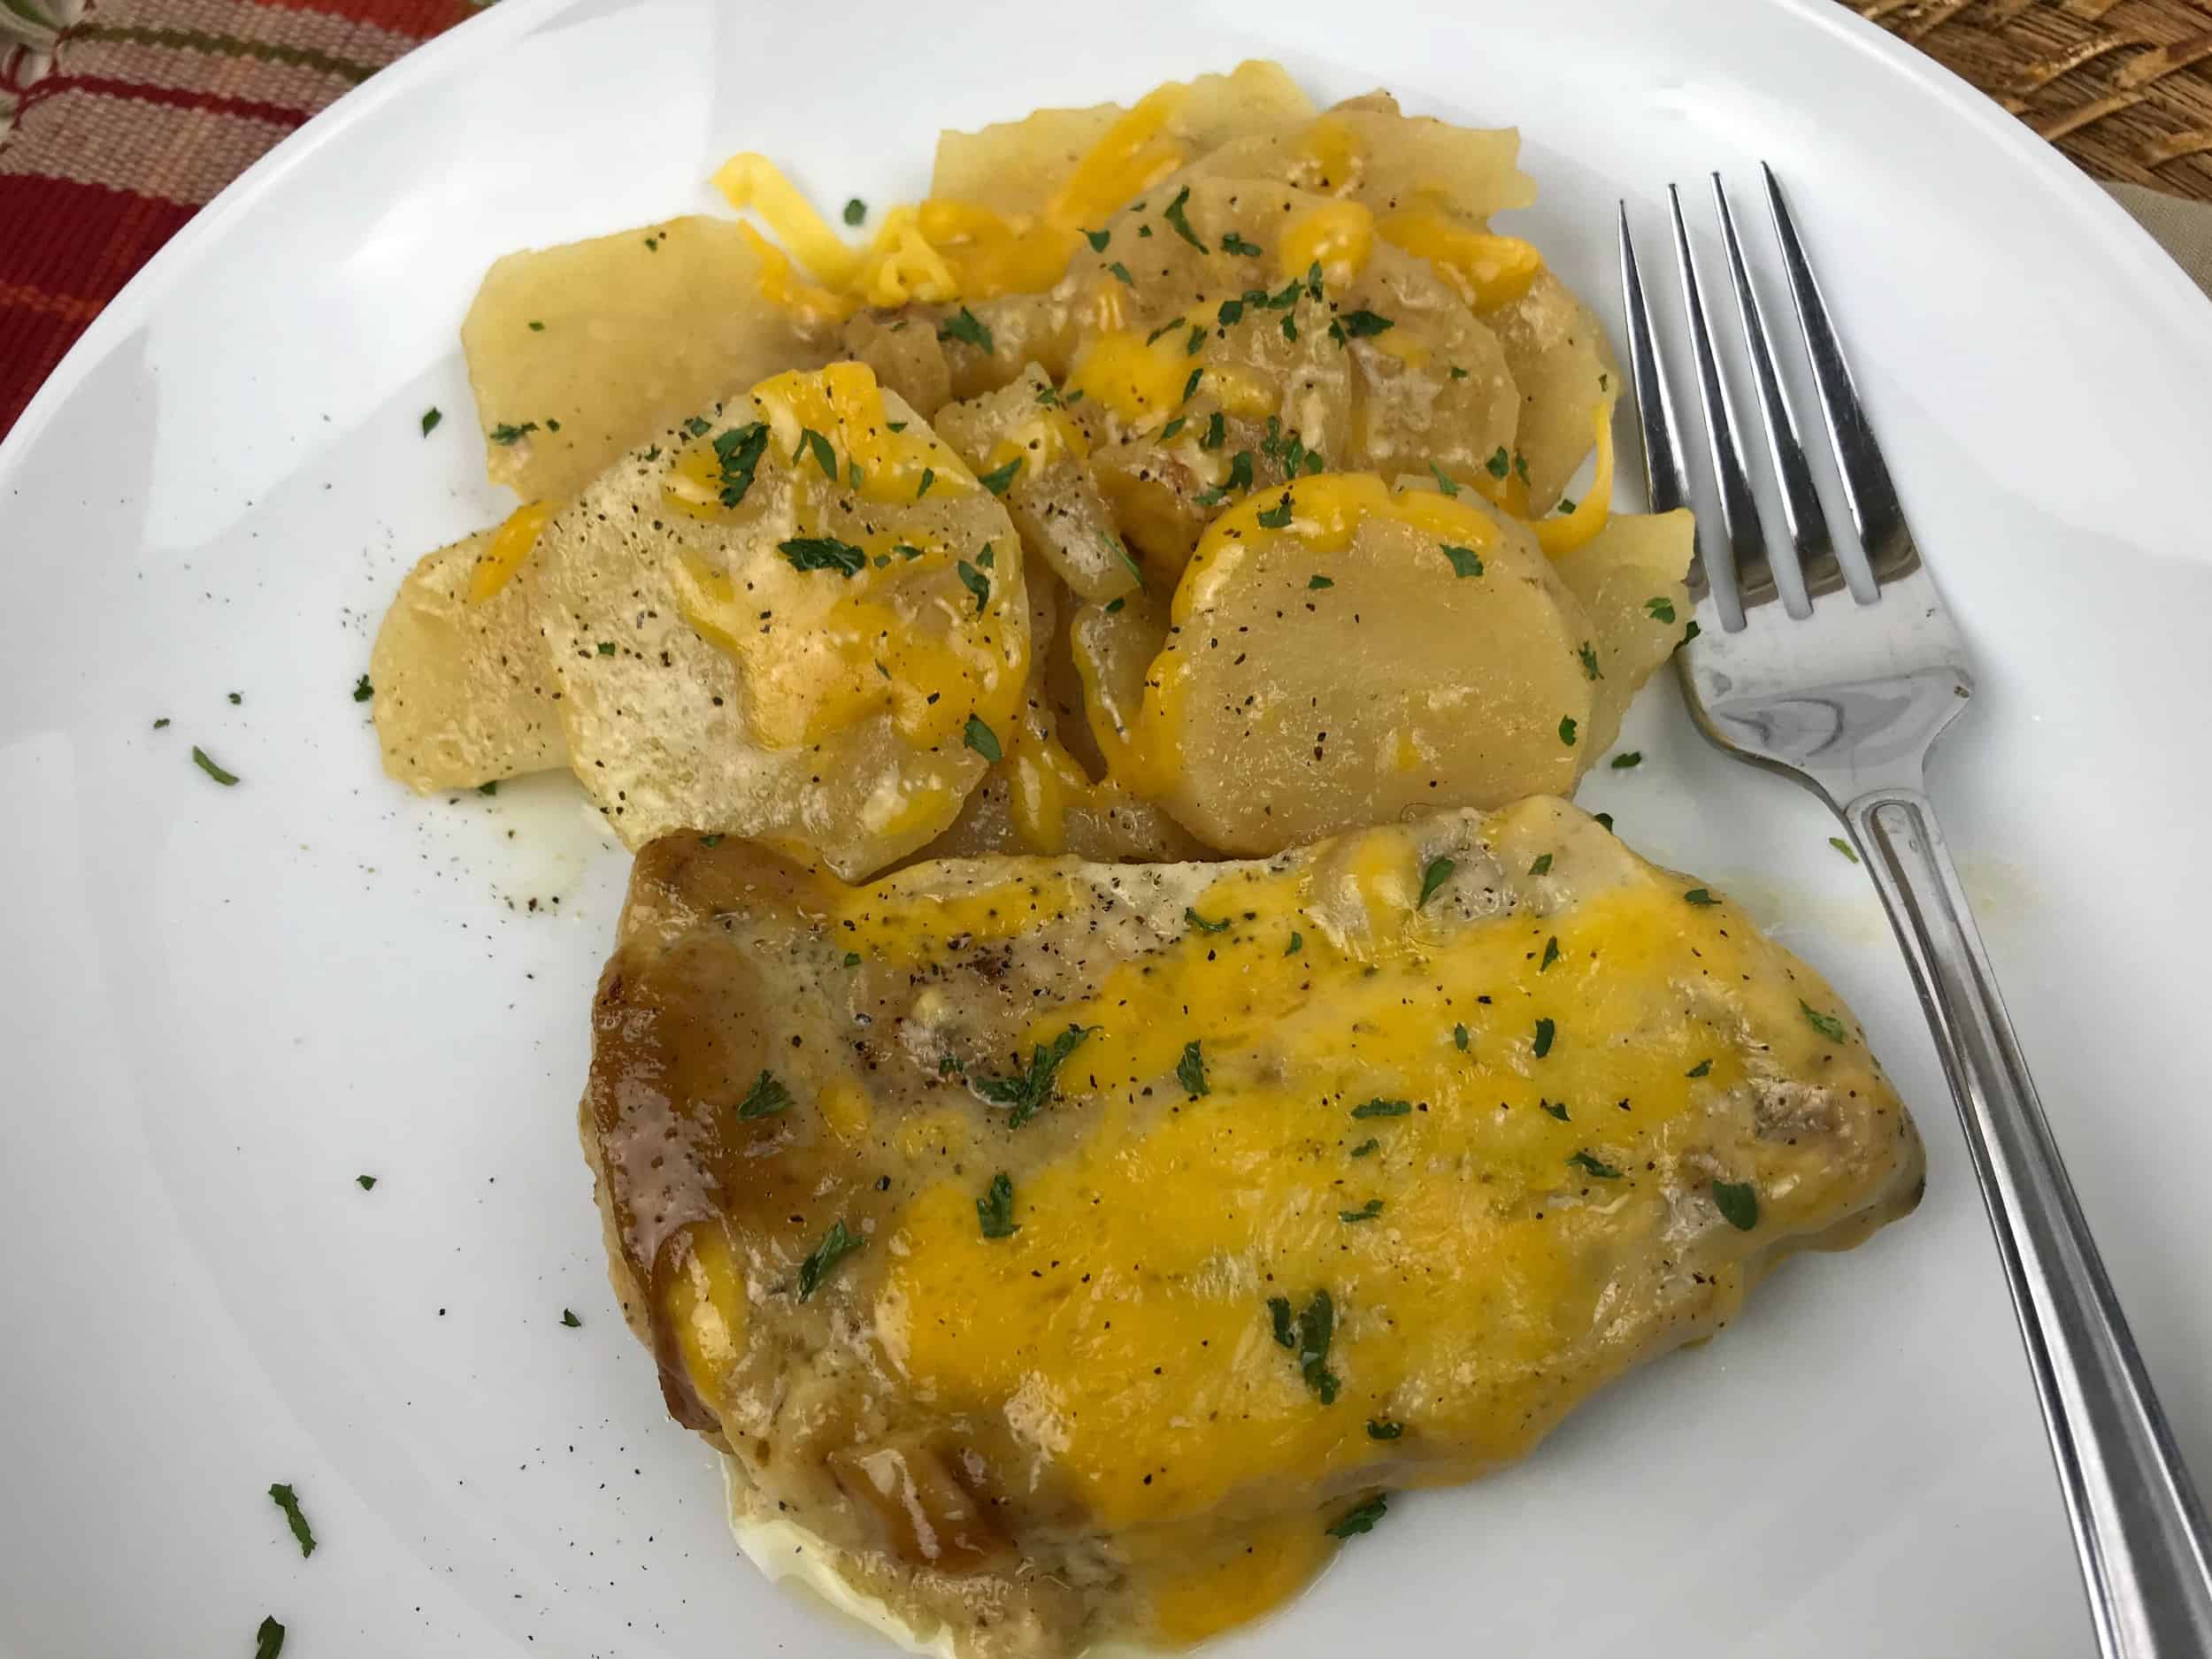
column 1840, row 675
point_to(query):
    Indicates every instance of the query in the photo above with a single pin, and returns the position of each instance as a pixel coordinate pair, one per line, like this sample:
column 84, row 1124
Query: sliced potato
column 823, row 662
column 1382, row 652
column 1564, row 367
column 1051, row 495
column 464, row 694
column 1263, row 334
column 579, row 352
column 1368, row 151
column 900, row 350
column 1027, row 166
column 1629, row 581
column 1113, row 649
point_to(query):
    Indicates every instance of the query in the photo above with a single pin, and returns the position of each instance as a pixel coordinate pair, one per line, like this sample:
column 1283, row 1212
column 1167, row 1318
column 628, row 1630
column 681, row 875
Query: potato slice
column 1366, row 151
column 1629, row 577
column 578, row 352
column 464, row 694
column 1564, row 367
column 1378, row 653
column 825, row 663
column 900, row 350
column 1113, row 648
column 1263, row 332
column 1051, row 495
column 1025, row 166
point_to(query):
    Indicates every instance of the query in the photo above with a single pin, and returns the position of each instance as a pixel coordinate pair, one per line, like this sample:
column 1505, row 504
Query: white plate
column 222, row 1005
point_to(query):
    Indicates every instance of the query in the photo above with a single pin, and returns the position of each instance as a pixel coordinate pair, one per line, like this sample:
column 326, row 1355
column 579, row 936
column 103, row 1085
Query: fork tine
column 1811, row 545
column 1666, row 470
column 1875, row 513
column 1738, row 565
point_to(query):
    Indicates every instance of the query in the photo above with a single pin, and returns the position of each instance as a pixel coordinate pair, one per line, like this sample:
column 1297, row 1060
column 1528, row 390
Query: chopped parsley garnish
column 569, row 1318
column 982, row 739
column 1216, row 432
column 1660, row 609
column 852, row 958
column 1499, row 463
column 1361, row 1518
column 1173, row 213
column 1542, row 867
column 929, row 477
column 1566, row 504
column 1551, row 953
column 491, row 787
column 1836, row 842
column 976, row 582
column 1136, row 571
column 1606, row 819
column 200, row 759
column 998, row 478
column 1359, row 324
column 1280, row 1321
column 1098, row 239
column 1383, row 1429
column 1445, row 481
column 895, row 426
column 430, row 419
column 1701, row 1068
column 1048, row 395
column 1567, row 730
column 1434, row 875
column 1029, row 1092
column 606, row 648
column 813, row 442
column 1738, row 1202
column 856, row 211
column 764, row 1099
column 1277, row 516
column 1383, row 1109
column 1520, row 467
column 1365, row 1147
column 286, row 1500
column 1457, row 372
column 1315, row 584
column 714, row 840
column 737, row 454
column 1632, row 759
column 1236, row 244
column 357, row 697
column 552, row 425
column 1589, row 654
column 1231, row 312
column 1556, row 1109
column 823, row 553
column 1190, row 387
column 1827, row 1024
column 697, row 425
column 1700, row 896
column 1164, row 330
column 1591, row 1166
column 1172, row 427
column 1289, row 327
column 362, row 691
column 1297, row 943
column 1316, row 1324
column 964, row 326
column 506, row 434
column 1465, row 561
column 995, row 1211
column 268, row 1641
column 1122, row 272
column 854, row 477
column 652, row 244
column 367, row 1183
column 1190, row 1070
column 1201, row 924
column 1113, row 605
column 1196, row 344
column 1313, row 282
column 1367, row 1211
column 1545, row 1031
column 1460, row 1038
column 836, row 1245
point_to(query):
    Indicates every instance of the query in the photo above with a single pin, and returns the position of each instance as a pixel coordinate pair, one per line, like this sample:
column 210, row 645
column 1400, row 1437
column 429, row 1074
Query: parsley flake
column 1277, row 516
column 1700, row 896
column 1315, row 584
column 1545, row 1031
column 999, row 479
column 1589, row 654
column 1542, row 867
column 1836, row 842
column 362, row 691
column 976, row 582
column 1555, row 1109
column 430, row 419
column 737, row 454
column 929, row 477
column 1029, row 1092
column 1383, row 1109
column 1216, row 432
column 1367, row 1211
column 1591, row 1166
column 1434, row 875
column 1297, row 943
column 1190, row 1070
column 982, row 739
column 1121, row 271
column 1460, row 1038
column 1359, row 324
column 1201, row 924
column 856, row 211
column 569, row 1318
column 1701, row 1068
column 1499, row 463
column 1660, row 609
column 1445, row 481
column 268, row 1641
column 1567, row 730
column 1738, row 1202
column 367, row 1183
column 1551, row 953
column 1633, row 757
column 1316, row 1324
column 1383, row 1429
column 813, row 442
column 995, row 1211
column 200, row 759
column 287, row 1500
column 1098, row 239
column 964, row 326
column 1827, row 1024
column 1236, row 244
column 1279, row 1322
column 764, row 1099
column 1173, row 213
column 836, row 1245
column 1361, row 1518
column 1172, row 427
column 1365, row 1147
column 506, row 435
column 823, row 553
column 1465, row 561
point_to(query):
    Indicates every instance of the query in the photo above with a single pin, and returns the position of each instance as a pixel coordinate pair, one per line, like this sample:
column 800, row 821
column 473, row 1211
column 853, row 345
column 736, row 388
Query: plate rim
column 461, row 45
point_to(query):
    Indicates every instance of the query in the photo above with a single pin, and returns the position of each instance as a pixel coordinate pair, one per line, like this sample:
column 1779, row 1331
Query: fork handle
column 2139, row 1526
